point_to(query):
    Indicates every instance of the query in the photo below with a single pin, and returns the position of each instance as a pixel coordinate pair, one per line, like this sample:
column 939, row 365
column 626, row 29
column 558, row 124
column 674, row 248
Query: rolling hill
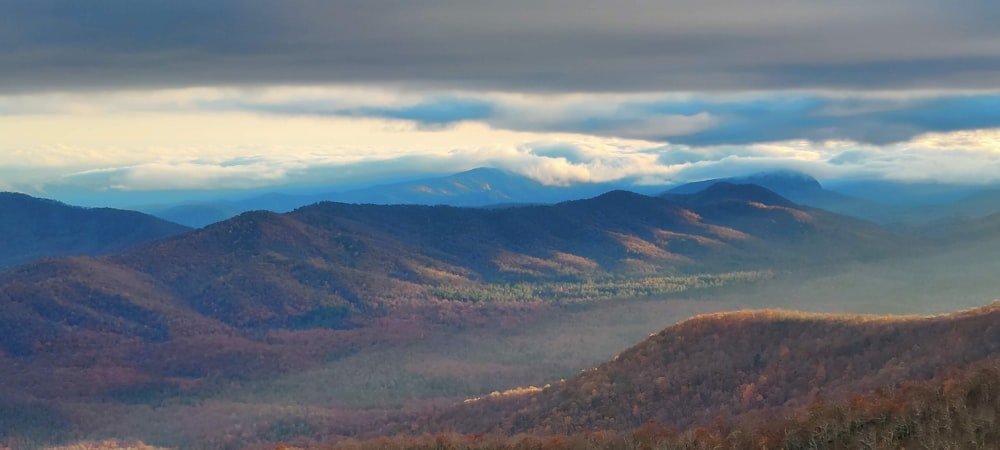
column 265, row 269
column 33, row 228
column 804, row 190
column 473, row 188
column 881, row 201
column 335, row 265
column 477, row 187
column 758, row 369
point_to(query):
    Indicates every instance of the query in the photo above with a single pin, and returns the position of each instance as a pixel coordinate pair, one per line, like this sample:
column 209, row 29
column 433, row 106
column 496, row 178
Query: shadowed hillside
column 802, row 189
column 33, row 228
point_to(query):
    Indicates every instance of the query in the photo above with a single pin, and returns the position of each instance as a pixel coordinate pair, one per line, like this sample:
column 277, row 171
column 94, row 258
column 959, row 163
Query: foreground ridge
column 743, row 363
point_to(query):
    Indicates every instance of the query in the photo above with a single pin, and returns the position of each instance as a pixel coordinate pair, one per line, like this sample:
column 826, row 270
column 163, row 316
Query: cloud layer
column 690, row 119
column 966, row 157
column 515, row 45
column 235, row 138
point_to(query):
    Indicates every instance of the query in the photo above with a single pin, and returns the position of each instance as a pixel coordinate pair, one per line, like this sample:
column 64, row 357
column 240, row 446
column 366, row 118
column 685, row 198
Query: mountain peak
column 620, row 202
column 781, row 180
column 481, row 171
column 785, row 182
column 722, row 192
column 619, row 194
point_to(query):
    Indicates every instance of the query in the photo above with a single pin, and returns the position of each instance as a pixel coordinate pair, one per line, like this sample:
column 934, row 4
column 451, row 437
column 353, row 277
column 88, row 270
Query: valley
column 260, row 354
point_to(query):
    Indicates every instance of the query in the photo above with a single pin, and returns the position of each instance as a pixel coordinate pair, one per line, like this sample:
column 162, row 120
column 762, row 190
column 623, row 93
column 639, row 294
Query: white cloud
column 607, row 161
column 967, row 157
column 987, row 141
column 464, row 147
column 235, row 151
column 215, row 138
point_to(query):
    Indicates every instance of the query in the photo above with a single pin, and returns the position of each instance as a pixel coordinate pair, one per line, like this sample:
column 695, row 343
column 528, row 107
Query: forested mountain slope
column 33, row 228
column 727, row 365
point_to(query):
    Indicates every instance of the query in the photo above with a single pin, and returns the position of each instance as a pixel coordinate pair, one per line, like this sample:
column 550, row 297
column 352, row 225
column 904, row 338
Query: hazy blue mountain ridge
column 33, row 228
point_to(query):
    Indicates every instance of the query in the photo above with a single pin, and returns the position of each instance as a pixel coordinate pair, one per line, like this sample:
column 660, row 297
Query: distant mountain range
column 33, row 228
column 878, row 201
column 803, row 189
column 906, row 194
column 474, row 188
column 268, row 269
column 477, row 187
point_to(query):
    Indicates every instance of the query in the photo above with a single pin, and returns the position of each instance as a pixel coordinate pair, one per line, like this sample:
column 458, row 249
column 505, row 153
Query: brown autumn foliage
column 958, row 407
column 729, row 364
column 265, row 293
column 203, row 303
column 880, row 397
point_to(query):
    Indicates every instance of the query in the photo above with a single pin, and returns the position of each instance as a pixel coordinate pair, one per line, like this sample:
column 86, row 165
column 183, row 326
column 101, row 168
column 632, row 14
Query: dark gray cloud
column 516, row 45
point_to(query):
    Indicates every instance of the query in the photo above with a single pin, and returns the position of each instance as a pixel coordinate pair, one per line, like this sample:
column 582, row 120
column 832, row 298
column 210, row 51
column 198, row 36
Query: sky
column 206, row 96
